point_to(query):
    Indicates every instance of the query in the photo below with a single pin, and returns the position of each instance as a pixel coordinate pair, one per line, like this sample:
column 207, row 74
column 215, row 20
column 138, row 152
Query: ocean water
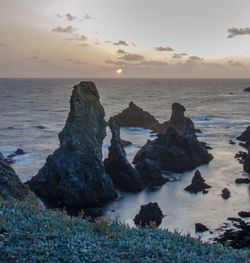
column 33, row 112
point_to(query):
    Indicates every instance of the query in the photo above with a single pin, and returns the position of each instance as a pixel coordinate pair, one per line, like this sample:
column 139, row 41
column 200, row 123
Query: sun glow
column 119, row 71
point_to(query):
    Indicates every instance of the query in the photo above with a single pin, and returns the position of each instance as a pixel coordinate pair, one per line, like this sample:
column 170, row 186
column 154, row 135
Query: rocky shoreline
column 75, row 177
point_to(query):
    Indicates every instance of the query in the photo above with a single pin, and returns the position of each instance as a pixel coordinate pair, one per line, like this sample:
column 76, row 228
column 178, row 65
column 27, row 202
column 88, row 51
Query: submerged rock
column 198, row 183
column 150, row 173
column 123, row 175
column 247, row 89
column 242, row 181
column 74, row 175
column 135, row 116
column 225, row 193
column 199, row 227
column 174, row 151
column 150, row 215
column 12, row 187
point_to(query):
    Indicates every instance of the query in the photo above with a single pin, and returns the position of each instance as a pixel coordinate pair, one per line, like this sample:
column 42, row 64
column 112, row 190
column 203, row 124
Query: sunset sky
column 132, row 38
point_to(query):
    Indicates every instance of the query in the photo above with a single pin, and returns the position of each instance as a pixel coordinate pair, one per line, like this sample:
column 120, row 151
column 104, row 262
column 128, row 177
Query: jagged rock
column 244, row 213
column 123, row 175
column 225, row 193
column 247, row 89
column 198, row 183
column 125, row 143
column 135, row 116
column 149, row 215
column 74, row 175
column 12, row 187
column 242, row 180
column 236, row 238
column 245, row 137
column 240, row 156
column 246, row 165
column 176, row 121
column 199, row 227
column 150, row 173
column 175, row 151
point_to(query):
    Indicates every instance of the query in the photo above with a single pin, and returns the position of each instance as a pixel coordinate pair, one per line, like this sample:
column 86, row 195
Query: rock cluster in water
column 74, row 175
column 150, row 215
column 135, row 116
column 198, row 183
column 245, row 137
column 175, row 150
column 123, row 175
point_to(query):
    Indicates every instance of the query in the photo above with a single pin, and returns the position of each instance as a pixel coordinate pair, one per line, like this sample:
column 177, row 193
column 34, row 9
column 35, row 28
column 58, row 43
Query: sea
column 33, row 112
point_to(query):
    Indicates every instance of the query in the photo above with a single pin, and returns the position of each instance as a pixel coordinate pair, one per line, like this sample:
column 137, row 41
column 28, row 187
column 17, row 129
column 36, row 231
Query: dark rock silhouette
column 244, row 213
column 125, row 143
column 199, row 227
column 245, row 137
column 74, row 175
column 240, row 156
column 175, row 151
column 150, row 215
column 135, row 116
column 247, row 89
column 225, row 193
column 150, row 173
column 123, row 175
column 236, row 238
column 242, row 181
column 198, row 183
column 176, row 121
column 9, row 158
column 246, row 164
column 231, row 142
column 11, row 186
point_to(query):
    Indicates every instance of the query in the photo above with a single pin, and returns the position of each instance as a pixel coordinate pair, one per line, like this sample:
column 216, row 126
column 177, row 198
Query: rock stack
column 74, row 175
column 124, row 176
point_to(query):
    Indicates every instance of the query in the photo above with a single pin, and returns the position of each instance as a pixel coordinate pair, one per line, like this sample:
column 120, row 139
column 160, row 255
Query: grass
column 30, row 234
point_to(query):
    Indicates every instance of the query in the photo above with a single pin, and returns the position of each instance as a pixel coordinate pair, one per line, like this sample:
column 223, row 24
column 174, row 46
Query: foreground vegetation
column 31, row 234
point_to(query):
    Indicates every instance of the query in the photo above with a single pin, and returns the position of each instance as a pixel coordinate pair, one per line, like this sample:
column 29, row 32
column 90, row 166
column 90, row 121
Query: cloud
column 154, row 63
column 78, row 37
column 121, row 51
column 233, row 32
column 132, row 57
column 84, row 45
column 177, row 56
column 169, row 49
column 3, row 44
column 196, row 58
column 184, row 54
column 69, row 17
column 116, row 63
column 68, row 29
column 121, row 43
column 39, row 60
column 74, row 61
column 235, row 63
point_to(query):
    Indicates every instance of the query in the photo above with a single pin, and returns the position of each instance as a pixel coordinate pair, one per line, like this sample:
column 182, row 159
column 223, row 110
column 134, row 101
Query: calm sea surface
column 33, row 112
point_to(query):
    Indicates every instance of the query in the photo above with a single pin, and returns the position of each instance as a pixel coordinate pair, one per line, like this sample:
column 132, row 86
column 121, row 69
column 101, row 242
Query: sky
column 127, row 39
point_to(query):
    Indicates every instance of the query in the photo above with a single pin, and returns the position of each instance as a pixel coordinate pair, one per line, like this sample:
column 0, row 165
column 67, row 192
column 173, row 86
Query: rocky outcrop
column 135, row 116
column 176, row 121
column 150, row 215
column 174, row 151
column 244, row 213
column 74, row 175
column 199, row 227
column 150, row 173
column 198, row 183
column 123, row 175
column 12, row 187
column 246, row 164
column 245, row 137
column 247, row 89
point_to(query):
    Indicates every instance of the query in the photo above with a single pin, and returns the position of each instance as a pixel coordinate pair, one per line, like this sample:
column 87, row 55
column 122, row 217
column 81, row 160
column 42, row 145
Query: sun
column 119, row 71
